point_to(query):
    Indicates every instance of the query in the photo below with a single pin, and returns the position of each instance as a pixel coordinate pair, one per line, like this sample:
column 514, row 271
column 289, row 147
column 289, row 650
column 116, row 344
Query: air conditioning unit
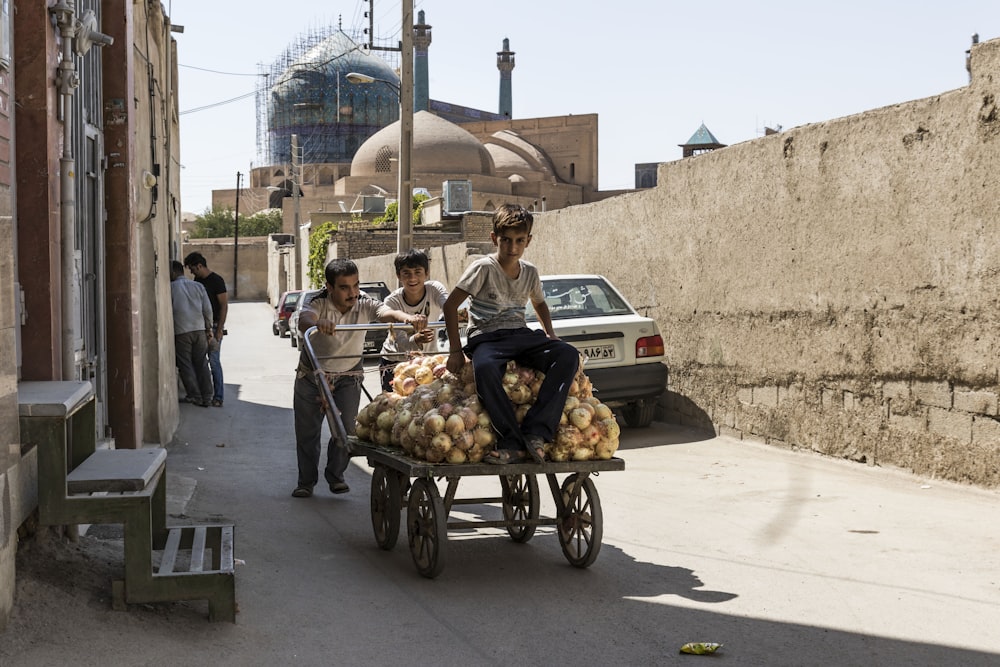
column 457, row 196
column 373, row 204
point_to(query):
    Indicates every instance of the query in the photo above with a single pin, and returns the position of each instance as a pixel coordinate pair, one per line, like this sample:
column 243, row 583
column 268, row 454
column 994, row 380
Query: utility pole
column 296, row 178
column 404, row 236
column 404, row 207
column 236, row 236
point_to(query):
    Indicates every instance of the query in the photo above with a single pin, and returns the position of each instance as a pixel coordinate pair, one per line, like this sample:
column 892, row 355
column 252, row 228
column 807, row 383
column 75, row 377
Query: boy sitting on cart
column 340, row 356
column 498, row 287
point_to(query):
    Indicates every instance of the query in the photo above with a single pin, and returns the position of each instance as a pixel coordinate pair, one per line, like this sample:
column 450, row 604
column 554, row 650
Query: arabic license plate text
column 599, row 351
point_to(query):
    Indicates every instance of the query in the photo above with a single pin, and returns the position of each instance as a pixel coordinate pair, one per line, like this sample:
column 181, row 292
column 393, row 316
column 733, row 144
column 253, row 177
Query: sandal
column 535, row 445
column 504, row 456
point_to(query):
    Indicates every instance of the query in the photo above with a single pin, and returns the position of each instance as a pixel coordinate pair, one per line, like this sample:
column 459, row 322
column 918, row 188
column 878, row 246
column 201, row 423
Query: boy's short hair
column 412, row 259
column 194, row 259
column 512, row 216
column 339, row 267
column 176, row 268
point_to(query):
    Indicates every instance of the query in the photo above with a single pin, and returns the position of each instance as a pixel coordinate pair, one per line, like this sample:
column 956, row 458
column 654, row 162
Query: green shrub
column 220, row 222
column 319, row 241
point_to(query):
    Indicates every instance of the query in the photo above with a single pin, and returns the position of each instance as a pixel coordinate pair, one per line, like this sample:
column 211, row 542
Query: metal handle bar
column 382, row 326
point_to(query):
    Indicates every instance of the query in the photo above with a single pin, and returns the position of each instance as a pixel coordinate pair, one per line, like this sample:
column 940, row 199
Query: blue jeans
column 216, row 365
column 490, row 353
column 309, row 417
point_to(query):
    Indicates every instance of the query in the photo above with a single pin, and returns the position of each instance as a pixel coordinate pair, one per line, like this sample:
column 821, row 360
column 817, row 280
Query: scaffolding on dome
column 326, row 136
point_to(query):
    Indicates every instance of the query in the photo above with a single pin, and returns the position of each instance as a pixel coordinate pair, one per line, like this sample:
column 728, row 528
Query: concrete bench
column 116, row 470
column 78, row 484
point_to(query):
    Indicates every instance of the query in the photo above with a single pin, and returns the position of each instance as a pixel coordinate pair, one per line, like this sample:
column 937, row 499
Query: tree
column 220, row 222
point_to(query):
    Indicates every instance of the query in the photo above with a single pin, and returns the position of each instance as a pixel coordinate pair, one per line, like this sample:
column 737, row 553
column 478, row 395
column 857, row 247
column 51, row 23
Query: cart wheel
column 520, row 502
column 387, row 505
column 426, row 527
column 580, row 526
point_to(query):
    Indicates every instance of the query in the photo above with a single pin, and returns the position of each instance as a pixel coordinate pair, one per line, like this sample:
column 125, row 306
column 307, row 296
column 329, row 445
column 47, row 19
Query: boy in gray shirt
column 498, row 287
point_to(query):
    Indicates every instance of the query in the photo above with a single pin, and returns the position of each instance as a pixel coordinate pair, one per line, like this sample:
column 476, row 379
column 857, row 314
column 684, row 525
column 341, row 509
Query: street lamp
column 404, row 207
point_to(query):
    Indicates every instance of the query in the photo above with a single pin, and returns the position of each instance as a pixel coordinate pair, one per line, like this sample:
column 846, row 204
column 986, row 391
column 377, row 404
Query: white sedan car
column 624, row 349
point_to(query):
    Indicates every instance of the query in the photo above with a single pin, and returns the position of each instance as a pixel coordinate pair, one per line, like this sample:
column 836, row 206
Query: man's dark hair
column 339, row 267
column 412, row 259
column 194, row 259
column 176, row 269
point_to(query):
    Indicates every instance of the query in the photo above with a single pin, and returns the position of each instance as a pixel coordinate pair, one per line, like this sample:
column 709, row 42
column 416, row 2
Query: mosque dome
column 332, row 116
column 439, row 147
column 513, row 156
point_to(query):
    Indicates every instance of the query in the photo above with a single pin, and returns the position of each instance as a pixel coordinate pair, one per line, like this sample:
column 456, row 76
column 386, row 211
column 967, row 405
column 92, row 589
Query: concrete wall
column 832, row 287
column 251, row 264
column 158, row 223
column 10, row 450
column 447, row 264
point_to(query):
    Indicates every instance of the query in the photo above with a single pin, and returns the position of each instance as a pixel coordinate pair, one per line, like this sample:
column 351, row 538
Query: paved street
column 785, row 558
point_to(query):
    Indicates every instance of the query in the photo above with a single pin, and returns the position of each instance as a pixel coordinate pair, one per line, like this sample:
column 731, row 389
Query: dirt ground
column 63, row 596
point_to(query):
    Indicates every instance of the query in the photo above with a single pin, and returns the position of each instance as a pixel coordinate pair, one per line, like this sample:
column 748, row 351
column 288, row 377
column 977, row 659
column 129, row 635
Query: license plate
column 599, row 351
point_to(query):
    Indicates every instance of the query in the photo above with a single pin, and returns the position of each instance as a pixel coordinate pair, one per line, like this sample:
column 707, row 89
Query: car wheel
column 639, row 414
column 295, row 342
column 274, row 330
column 283, row 333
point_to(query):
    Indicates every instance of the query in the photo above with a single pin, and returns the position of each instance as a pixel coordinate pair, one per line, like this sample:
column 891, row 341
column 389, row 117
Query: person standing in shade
column 219, row 298
column 339, row 355
column 192, row 335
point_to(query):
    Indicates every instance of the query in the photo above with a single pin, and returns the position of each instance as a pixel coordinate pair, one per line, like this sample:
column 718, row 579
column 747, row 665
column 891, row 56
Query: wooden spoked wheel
column 520, row 502
column 386, row 502
column 580, row 524
column 426, row 527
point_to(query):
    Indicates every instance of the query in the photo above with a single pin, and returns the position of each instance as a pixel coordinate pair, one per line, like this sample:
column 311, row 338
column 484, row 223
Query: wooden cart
column 399, row 481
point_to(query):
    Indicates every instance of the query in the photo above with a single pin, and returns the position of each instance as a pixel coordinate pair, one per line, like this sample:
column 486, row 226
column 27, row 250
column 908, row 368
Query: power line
column 219, row 104
column 214, row 71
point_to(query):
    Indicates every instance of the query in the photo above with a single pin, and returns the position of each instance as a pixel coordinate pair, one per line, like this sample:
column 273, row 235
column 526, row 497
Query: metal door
column 91, row 343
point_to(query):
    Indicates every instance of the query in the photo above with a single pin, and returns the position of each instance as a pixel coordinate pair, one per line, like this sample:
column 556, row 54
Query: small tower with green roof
column 702, row 141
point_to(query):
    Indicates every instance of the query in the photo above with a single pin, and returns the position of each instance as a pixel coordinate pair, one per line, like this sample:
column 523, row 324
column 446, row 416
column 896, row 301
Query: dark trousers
column 309, row 416
column 192, row 365
column 490, row 353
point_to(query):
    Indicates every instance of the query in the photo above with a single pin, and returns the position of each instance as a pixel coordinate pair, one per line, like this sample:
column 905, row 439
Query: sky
column 652, row 70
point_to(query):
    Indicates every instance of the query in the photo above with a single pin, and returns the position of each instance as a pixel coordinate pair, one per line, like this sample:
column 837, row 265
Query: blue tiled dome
column 333, row 117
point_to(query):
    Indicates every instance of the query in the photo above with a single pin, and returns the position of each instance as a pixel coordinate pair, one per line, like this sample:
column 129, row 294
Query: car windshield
column 293, row 298
column 579, row 297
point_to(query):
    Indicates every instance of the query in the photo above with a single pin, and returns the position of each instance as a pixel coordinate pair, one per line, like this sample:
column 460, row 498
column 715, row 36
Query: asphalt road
column 785, row 558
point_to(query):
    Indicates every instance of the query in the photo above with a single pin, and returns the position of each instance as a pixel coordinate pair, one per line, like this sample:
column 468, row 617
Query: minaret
column 421, row 81
column 505, row 63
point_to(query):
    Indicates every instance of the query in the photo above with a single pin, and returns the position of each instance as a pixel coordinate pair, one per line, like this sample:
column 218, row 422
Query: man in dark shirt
column 219, row 298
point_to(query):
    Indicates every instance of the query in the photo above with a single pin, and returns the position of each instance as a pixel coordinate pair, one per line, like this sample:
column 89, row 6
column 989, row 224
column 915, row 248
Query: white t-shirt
column 398, row 340
column 348, row 345
column 497, row 301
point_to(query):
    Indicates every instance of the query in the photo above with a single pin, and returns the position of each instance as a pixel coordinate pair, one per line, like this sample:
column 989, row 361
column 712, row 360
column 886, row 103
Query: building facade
column 89, row 213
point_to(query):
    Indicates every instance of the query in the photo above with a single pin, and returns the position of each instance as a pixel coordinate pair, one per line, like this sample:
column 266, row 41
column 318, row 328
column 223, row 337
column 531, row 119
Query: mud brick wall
column 833, row 287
